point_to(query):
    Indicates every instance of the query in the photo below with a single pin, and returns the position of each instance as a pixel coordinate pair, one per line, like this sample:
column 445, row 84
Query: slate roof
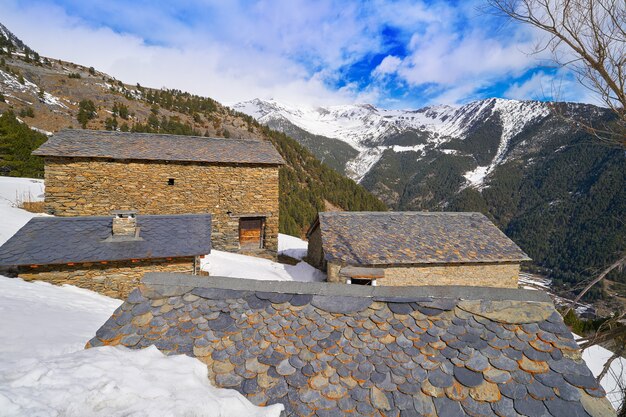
column 396, row 238
column 158, row 147
column 59, row 240
column 324, row 349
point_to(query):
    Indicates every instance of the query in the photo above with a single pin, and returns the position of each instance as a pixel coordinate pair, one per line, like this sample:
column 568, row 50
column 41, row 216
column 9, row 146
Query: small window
column 357, row 281
column 170, row 181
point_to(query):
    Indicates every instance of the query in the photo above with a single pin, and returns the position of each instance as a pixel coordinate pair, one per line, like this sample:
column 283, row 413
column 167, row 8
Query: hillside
column 544, row 182
column 48, row 95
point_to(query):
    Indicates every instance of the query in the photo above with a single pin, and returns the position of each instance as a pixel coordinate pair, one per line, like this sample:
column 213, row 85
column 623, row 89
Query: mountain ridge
column 368, row 129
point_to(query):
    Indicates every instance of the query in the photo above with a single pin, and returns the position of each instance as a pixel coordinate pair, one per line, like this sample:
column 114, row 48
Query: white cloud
column 388, row 65
column 454, row 65
column 540, row 86
column 559, row 86
column 227, row 71
column 455, row 94
column 290, row 50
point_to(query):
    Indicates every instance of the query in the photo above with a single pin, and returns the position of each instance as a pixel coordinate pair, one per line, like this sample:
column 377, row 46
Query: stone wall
column 87, row 186
column 114, row 279
column 315, row 253
column 332, row 272
column 500, row 275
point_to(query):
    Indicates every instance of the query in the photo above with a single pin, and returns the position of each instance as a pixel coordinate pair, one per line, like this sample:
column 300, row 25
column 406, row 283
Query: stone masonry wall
column 483, row 275
column 315, row 253
column 87, row 186
column 114, row 279
column 332, row 272
column 499, row 275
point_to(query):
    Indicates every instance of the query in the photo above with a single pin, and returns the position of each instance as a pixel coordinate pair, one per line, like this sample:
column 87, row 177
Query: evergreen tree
column 27, row 112
column 17, row 141
column 110, row 123
column 120, row 110
column 86, row 112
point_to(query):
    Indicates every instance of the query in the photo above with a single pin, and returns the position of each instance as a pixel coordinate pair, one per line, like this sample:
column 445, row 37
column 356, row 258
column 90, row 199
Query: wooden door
column 250, row 233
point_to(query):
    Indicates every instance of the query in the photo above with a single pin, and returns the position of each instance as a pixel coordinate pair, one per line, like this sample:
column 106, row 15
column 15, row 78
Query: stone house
column 91, row 173
column 326, row 349
column 107, row 254
column 413, row 248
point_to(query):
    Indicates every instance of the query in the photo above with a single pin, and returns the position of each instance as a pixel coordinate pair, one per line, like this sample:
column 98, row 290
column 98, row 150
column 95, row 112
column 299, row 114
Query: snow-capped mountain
column 419, row 159
column 364, row 125
column 16, row 43
column 371, row 131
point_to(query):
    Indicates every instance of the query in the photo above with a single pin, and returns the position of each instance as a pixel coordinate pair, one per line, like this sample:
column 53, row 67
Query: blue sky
column 395, row 54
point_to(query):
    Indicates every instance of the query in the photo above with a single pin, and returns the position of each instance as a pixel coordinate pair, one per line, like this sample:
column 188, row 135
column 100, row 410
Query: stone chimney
column 125, row 223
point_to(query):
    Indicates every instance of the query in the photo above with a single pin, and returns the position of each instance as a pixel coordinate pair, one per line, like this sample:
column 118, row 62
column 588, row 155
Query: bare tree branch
column 621, row 261
column 608, row 363
column 589, row 38
column 603, row 336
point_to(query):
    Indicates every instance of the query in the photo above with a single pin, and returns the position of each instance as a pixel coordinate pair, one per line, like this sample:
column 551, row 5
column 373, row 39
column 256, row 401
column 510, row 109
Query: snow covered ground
column 13, row 191
column 292, row 246
column 44, row 370
column 53, row 313
column 225, row 264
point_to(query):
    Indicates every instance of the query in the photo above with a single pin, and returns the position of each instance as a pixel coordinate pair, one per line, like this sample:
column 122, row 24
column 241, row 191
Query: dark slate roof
column 57, row 240
column 396, row 238
column 158, row 147
column 324, row 349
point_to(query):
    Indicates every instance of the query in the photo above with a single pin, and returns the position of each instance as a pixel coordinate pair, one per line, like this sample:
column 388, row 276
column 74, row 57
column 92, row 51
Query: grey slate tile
column 157, row 147
column 60, row 240
column 346, row 355
column 414, row 237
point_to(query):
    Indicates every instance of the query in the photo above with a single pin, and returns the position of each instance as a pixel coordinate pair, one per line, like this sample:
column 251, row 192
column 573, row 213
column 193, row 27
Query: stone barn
column 413, row 248
column 107, row 254
column 91, row 173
